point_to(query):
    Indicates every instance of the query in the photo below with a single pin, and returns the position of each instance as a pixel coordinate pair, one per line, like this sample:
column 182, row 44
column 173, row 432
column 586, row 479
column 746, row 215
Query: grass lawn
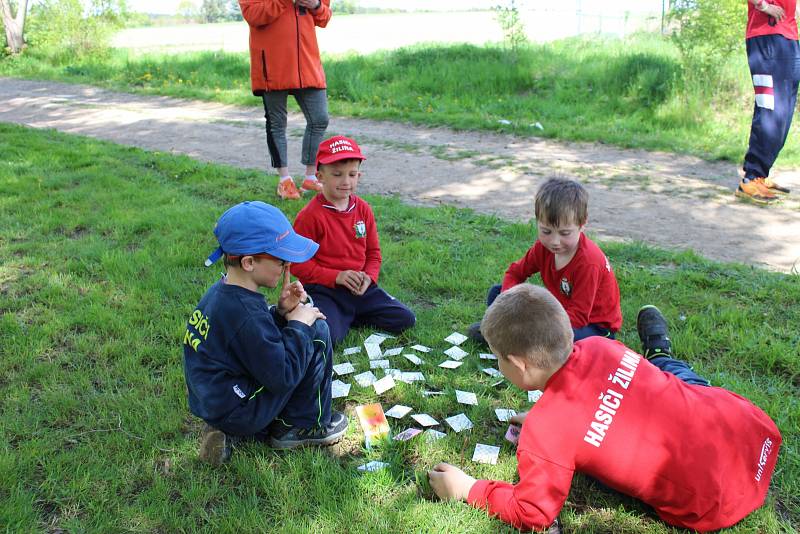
column 101, row 252
column 631, row 92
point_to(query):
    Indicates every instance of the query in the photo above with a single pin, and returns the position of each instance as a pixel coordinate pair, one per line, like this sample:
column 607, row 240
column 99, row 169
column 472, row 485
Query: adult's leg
column 275, row 115
column 338, row 307
column 378, row 308
column 314, row 105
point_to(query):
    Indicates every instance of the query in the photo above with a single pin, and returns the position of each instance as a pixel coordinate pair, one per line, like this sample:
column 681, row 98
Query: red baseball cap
column 338, row 148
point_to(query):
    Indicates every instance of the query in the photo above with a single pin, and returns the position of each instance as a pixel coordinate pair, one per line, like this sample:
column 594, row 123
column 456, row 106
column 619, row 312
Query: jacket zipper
column 297, row 27
column 264, row 66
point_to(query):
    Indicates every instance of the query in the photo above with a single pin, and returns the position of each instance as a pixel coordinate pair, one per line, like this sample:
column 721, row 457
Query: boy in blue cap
column 253, row 370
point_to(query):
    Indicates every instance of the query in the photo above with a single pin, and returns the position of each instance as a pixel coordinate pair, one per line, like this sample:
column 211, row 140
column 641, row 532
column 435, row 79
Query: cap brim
column 216, row 255
column 295, row 248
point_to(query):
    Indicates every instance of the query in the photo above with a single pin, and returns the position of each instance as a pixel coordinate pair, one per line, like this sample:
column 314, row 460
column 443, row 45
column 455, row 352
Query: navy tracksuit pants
column 775, row 67
column 375, row 307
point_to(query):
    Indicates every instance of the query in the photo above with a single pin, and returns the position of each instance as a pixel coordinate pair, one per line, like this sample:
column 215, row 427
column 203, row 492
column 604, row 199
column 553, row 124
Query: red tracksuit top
column 586, row 286
column 759, row 24
column 348, row 240
column 702, row 457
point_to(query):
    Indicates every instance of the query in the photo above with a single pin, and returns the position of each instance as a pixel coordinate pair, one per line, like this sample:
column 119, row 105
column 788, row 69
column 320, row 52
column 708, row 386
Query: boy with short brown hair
column 701, row 456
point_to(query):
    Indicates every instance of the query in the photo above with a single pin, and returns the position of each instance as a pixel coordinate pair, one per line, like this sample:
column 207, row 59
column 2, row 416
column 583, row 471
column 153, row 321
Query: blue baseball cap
column 254, row 227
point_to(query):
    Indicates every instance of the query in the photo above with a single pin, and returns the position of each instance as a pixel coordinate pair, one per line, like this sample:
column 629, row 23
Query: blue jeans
column 314, row 104
column 679, row 368
column 578, row 333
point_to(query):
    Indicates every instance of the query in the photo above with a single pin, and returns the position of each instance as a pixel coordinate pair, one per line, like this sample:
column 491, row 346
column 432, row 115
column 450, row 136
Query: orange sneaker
column 755, row 191
column 311, row 185
column 287, row 190
column 776, row 188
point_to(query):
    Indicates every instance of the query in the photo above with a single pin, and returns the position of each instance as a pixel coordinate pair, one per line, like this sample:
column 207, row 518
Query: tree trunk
column 14, row 26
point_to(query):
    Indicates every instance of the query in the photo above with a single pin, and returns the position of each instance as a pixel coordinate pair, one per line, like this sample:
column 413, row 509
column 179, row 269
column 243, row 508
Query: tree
column 213, row 10
column 188, row 10
column 14, row 25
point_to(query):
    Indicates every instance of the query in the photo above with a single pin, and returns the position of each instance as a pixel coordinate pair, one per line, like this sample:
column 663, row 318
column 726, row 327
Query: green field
column 632, row 92
column 101, row 251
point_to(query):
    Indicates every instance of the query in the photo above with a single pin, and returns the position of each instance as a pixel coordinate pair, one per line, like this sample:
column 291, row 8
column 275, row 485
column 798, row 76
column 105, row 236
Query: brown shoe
column 755, row 191
column 770, row 184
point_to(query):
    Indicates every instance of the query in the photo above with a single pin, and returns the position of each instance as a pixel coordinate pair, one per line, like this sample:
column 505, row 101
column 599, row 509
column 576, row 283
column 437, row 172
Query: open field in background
column 102, row 250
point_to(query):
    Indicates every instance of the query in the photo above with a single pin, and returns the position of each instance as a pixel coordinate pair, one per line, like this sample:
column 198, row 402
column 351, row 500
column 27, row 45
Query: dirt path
column 668, row 200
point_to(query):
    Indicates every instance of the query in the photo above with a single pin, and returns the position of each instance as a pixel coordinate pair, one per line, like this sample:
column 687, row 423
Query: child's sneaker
column 652, row 328
column 775, row 187
column 287, row 190
column 755, row 191
column 311, row 185
column 215, row 445
column 474, row 333
column 290, row 437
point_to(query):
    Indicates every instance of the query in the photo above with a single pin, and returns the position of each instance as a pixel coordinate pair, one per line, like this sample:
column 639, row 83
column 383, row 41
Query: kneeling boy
column 701, row 456
column 248, row 364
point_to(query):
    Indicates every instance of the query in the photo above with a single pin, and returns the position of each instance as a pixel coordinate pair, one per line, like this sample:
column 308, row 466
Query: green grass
column 101, row 251
column 630, row 92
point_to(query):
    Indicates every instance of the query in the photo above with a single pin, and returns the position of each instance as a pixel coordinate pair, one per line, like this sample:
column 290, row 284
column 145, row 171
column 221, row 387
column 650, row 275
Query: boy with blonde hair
column 701, row 456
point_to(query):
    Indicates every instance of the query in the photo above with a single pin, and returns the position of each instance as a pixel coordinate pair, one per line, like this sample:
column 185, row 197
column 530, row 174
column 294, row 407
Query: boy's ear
column 520, row 362
column 248, row 263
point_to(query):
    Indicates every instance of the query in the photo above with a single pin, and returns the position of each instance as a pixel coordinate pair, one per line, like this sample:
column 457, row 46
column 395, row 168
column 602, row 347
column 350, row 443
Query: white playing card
column 379, row 364
column 534, row 395
column 351, row 350
column 457, row 353
column 494, row 373
column 365, row 379
column 412, row 376
column 372, row 466
column 487, row 356
column 450, row 364
column 344, row 368
column 456, row 338
column 429, row 393
column 458, row 422
column 466, row 397
column 376, row 338
column 504, row 414
column 486, row 454
column 373, row 350
column 421, row 348
column 433, row 435
column 339, row 389
column 407, row 434
column 424, row 419
column 398, row 411
column 393, row 352
column 384, row 384
column 493, row 384
column 416, row 360
column 394, row 373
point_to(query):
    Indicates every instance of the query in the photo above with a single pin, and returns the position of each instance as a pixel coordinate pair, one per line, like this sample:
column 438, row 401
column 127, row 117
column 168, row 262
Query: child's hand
column 292, row 294
column 305, row 313
column 365, row 283
column 450, row 482
column 772, row 10
column 518, row 419
column 352, row 280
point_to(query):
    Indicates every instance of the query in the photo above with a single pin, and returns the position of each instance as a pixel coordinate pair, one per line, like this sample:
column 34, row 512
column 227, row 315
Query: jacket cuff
column 477, row 494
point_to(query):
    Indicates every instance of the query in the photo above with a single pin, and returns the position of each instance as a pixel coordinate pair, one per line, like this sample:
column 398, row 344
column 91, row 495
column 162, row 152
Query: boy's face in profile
column 560, row 240
column 339, row 179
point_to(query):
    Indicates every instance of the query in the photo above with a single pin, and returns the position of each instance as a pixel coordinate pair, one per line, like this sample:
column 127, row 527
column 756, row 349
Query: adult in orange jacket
column 284, row 60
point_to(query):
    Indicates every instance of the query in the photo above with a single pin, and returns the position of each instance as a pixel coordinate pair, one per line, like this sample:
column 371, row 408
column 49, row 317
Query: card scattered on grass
column 344, row 368
column 351, row 350
column 487, row 356
column 457, row 353
column 421, row 348
column 433, row 435
column 424, row 419
column 365, row 379
column 450, row 364
column 431, row 393
column 398, row 411
column 393, row 352
column 486, row 454
column 339, row 389
column 373, row 422
column 494, row 373
column 466, row 397
column 383, row 385
column 456, row 338
column 376, row 338
column 373, row 350
column 407, row 434
column 416, row 360
column 379, row 364
column 512, row 434
column 534, row 395
column 372, row 466
column 504, row 414
column 412, row 376
column 458, row 422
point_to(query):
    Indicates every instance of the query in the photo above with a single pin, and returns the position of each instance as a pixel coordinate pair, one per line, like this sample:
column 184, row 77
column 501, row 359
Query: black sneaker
column 290, row 437
column 652, row 328
column 215, row 446
column 474, row 333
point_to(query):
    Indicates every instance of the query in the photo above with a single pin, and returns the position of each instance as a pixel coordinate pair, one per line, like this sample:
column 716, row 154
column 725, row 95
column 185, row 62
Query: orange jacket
column 283, row 44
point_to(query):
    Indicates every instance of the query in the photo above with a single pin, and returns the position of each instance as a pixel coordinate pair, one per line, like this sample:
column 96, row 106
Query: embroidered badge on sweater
column 566, row 287
column 361, row 229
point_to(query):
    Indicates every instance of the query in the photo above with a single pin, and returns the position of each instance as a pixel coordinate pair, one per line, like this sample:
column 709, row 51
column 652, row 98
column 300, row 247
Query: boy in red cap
column 342, row 278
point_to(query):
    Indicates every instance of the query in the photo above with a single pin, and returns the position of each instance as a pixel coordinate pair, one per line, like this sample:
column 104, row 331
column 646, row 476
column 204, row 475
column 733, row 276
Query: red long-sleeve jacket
column 283, row 44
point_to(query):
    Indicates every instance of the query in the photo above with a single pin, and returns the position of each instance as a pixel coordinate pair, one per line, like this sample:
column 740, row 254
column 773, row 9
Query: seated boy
column 573, row 268
column 247, row 364
column 702, row 457
column 342, row 279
